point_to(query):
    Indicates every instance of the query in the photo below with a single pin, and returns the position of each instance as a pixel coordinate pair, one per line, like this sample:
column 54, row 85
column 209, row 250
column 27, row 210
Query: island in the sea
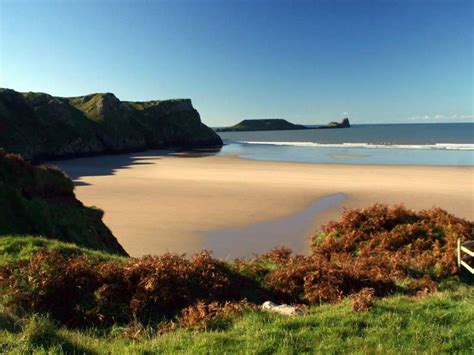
column 277, row 124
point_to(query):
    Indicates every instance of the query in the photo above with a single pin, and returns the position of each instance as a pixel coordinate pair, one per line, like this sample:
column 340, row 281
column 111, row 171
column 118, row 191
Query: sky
column 309, row 62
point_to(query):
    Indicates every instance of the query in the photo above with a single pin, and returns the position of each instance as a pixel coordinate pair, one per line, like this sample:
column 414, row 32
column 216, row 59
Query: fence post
column 459, row 253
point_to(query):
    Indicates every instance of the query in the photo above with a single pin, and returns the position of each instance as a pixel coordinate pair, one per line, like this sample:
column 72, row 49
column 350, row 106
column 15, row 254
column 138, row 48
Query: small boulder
column 283, row 309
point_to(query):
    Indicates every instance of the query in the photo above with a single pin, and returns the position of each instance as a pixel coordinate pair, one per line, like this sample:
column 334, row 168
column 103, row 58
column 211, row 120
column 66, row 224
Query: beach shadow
column 105, row 165
column 101, row 165
column 196, row 153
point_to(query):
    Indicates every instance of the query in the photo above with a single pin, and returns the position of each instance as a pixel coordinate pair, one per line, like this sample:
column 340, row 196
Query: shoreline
column 239, row 156
column 156, row 203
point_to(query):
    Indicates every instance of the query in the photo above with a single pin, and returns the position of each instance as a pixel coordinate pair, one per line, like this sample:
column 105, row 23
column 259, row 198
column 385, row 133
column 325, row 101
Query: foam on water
column 445, row 146
column 402, row 144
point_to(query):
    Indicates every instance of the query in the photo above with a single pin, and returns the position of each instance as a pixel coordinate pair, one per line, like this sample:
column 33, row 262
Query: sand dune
column 157, row 203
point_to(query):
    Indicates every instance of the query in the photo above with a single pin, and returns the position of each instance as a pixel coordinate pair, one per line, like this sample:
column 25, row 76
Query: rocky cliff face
column 40, row 126
column 344, row 124
column 39, row 200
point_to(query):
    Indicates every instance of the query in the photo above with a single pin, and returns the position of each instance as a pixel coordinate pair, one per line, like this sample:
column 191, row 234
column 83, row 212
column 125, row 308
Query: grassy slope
column 41, row 201
column 21, row 247
column 443, row 322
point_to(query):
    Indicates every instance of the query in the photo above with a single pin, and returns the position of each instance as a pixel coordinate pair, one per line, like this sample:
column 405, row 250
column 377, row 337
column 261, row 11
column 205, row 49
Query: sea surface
column 393, row 144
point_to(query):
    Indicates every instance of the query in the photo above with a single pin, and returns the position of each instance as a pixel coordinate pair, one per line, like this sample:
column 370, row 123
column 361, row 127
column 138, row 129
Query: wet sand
column 156, row 203
column 292, row 231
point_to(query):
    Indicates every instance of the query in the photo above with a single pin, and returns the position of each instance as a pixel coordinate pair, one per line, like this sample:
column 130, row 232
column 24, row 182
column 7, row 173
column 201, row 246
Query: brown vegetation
column 401, row 241
column 363, row 300
column 202, row 316
column 376, row 248
column 78, row 290
column 368, row 253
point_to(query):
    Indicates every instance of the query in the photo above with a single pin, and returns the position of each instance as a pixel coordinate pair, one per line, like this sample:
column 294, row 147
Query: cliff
column 40, row 126
column 39, row 200
column 272, row 124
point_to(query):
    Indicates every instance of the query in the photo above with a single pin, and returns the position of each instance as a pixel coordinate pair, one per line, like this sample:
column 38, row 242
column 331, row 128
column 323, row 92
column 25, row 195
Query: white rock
column 283, row 309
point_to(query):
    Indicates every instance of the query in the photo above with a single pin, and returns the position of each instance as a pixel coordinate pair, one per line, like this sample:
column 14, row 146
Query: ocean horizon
column 450, row 144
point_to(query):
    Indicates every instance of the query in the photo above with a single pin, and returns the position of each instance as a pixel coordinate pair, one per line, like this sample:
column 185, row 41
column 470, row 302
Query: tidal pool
column 291, row 231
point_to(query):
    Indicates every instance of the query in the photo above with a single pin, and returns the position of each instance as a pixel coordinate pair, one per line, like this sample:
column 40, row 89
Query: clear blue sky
column 306, row 61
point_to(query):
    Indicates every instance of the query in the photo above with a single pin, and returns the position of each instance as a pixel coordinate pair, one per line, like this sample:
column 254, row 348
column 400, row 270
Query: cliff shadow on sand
column 105, row 165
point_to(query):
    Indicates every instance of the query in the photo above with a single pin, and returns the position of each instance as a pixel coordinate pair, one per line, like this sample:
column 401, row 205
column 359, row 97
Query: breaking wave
column 437, row 146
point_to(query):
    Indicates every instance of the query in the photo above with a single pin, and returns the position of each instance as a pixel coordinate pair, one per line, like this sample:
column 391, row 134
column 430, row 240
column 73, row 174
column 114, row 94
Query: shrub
column 369, row 253
column 405, row 243
column 363, row 300
column 314, row 279
column 79, row 290
column 215, row 315
column 377, row 248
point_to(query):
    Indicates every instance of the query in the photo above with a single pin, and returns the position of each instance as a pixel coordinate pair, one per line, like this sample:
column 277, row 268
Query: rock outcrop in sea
column 344, row 124
column 40, row 126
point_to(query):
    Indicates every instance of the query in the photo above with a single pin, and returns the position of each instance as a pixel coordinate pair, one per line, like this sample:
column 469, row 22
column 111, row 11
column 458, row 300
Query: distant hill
column 40, row 126
column 277, row 124
column 271, row 124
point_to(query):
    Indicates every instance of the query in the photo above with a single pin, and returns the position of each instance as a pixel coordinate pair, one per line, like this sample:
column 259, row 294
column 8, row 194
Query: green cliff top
column 270, row 124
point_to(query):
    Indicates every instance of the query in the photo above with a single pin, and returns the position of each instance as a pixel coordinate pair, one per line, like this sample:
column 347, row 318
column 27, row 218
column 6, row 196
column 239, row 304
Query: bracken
column 368, row 253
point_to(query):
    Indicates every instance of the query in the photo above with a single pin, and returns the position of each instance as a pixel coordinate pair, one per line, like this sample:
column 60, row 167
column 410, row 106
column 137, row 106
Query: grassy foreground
column 381, row 280
column 441, row 322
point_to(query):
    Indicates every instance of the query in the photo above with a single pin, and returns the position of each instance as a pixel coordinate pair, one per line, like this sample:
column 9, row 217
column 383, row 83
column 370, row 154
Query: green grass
column 21, row 247
column 443, row 322
column 88, row 106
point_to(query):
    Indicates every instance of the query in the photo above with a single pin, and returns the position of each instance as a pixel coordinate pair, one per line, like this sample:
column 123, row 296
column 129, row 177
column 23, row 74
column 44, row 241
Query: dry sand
column 155, row 204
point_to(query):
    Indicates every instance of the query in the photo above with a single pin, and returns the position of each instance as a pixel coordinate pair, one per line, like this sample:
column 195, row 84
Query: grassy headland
column 40, row 126
column 277, row 124
column 270, row 124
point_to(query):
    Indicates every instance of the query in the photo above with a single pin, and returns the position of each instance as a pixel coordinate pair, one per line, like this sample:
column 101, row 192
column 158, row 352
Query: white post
column 459, row 253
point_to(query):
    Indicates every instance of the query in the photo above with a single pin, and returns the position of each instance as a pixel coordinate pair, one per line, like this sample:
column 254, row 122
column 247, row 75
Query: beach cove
column 156, row 202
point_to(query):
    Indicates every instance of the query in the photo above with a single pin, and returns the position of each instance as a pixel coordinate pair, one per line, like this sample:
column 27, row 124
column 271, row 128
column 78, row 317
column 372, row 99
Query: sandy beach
column 157, row 203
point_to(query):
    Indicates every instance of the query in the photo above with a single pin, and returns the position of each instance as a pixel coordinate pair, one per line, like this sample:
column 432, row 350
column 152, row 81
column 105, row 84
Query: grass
column 21, row 247
column 89, row 105
column 442, row 322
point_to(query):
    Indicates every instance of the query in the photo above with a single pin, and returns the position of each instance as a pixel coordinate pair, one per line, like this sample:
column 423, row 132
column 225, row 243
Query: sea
column 450, row 144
